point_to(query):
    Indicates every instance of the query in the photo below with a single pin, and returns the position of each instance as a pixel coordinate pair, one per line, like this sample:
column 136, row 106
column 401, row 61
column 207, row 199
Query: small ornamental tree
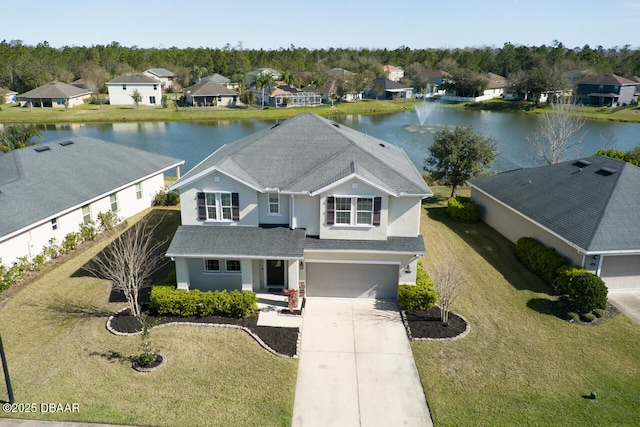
column 137, row 97
column 449, row 281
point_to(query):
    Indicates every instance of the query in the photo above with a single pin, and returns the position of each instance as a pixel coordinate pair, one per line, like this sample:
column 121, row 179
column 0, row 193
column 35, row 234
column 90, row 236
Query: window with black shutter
column 202, row 209
column 330, row 210
column 377, row 205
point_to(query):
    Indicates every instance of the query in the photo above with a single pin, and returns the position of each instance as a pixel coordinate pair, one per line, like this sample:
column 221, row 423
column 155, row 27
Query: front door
column 275, row 272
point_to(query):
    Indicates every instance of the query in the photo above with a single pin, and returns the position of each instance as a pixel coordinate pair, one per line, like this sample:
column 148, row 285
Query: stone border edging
column 462, row 335
column 218, row 325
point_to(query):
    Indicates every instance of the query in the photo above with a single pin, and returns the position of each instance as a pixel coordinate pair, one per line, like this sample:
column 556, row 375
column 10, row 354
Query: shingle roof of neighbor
column 208, row 88
column 138, row 78
column 307, row 153
column 160, row 72
column 593, row 203
column 55, row 89
column 41, row 181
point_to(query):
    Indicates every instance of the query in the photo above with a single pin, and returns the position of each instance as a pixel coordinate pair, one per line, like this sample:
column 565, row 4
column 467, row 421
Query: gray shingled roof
column 606, row 79
column 307, row 153
column 138, row 78
column 208, row 88
column 409, row 245
column 241, row 241
column 216, row 78
column 160, row 72
column 37, row 186
column 55, row 90
column 582, row 203
column 389, row 84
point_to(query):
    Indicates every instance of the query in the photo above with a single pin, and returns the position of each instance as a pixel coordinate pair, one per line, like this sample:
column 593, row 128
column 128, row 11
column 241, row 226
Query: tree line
column 25, row 67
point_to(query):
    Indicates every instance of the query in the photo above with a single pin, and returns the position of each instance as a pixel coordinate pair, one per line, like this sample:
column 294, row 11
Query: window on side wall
column 86, row 214
column 113, row 199
column 54, row 224
column 139, row 191
column 274, row 203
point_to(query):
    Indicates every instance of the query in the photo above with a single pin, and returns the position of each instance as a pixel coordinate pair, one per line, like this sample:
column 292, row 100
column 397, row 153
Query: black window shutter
column 202, row 208
column 377, row 204
column 235, row 206
column 331, row 201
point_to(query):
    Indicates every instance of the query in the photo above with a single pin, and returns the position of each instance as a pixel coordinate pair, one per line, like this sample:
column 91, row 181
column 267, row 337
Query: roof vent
column 336, row 125
column 606, row 171
column 42, row 148
column 65, row 143
column 382, row 145
column 276, row 125
column 581, row 163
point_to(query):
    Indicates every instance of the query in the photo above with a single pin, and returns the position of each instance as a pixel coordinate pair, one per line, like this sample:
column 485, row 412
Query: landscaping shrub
column 107, row 220
column 588, row 317
column 422, row 296
column 598, row 312
column 544, row 261
column 463, row 210
column 572, row 315
column 88, row 231
column 565, row 274
column 166, row 198
column 165, row 300
column 588, row 292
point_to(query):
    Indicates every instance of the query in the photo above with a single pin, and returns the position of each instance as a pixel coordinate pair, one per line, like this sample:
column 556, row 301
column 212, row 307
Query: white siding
column 120, row 96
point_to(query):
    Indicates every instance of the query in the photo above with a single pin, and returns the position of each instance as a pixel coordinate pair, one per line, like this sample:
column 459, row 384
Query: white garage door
column 621, row 272
column 352, row 280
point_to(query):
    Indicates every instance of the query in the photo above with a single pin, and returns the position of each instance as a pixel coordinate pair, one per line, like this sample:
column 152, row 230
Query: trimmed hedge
column 421, row 296
column 588, row 292
column 565, row 274
column 168, row 301
column 463, row 209
column 544, row 261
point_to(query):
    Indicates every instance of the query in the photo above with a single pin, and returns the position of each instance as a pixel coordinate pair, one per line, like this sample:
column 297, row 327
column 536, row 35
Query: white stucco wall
column 307, row 214
column 120, row 96
column 404, row 216
column 268, row 218
column 32, row 241
column 247, row 197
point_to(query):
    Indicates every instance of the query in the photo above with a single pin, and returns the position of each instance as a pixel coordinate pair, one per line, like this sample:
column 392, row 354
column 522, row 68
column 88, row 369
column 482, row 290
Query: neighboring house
column 122, row 88
column 54, row 94
column 608, row 90
column 496, row 85
column 222, row 80
column 209, row 94
column 392, row 89
column 163, row 75
column 8, row 95
column 80, row 83
column 284, row 95
column 47, row 190
column 588, row 210
column 329, row 91
column 341, row 71
column 307, row 204
column 436, row 82
column 393, row 73
column 252, row 75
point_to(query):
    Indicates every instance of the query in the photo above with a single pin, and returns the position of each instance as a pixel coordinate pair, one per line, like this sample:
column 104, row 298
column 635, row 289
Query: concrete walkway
column 627, row 302
column 356, row 367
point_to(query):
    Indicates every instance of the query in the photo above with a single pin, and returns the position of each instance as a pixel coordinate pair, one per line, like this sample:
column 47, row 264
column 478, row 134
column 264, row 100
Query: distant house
column 587, row 209
column 393, row 73
column 496, row 85
column 391, row 89
column 209, row 94
column 8, row 95
column 49, row 189
column 122, row 88
column 165, row 76
column 54, row 94
column 329, row 91
column 253, row 75
column 341, row 71
column 284, row 95
column 306, row 204
column 221, row 80
column 609, row 90
column 436, row 80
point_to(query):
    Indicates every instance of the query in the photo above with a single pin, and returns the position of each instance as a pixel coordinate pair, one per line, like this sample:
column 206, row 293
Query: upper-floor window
column 274, row 203
column 124, row 87
column 353, row 210
column 218, row 206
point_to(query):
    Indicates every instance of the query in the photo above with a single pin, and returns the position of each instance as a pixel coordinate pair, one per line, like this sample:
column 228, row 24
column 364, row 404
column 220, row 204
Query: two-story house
column 307, row 203
column 608, row 90
column 122, row 88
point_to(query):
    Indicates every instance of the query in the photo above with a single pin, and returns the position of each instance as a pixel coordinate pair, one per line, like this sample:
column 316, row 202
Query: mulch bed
column 427, row 324
column 281, row 340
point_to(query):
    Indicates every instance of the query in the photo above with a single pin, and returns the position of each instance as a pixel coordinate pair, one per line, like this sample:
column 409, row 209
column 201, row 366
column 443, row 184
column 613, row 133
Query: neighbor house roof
column 5, row 91
column 55, row 90
column 208, row 88
column 496, row 81
column 390, row 85
column 239, row 242
column 396, row 244
column 160, row 72
column 593, row 204
column 43, row 181
column 309, row 154
column 216, row 78
column 606, row 79
column 137, row 78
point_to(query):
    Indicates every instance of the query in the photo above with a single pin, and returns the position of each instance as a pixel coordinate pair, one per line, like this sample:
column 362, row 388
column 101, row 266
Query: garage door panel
column 352, row 280
column 621, row 272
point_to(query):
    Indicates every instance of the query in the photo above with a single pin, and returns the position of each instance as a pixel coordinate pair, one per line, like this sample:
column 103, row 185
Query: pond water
column 193, row 141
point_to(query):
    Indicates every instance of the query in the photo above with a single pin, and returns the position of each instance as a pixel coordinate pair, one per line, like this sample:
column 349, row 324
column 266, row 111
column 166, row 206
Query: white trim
column 363, row 251
column 229, row 256
column 277, row 203
column 352, row 176
column 349, row 261
column 212, row 169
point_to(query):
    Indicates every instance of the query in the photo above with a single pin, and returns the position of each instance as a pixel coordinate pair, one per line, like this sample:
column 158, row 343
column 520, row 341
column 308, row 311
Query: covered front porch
column 258, row 259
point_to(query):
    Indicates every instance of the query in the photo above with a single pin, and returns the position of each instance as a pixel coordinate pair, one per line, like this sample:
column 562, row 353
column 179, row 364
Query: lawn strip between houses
column 54, row 328
column 520, row 364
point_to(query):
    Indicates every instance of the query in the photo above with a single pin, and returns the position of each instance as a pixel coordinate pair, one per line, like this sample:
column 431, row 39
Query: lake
column 194, row 141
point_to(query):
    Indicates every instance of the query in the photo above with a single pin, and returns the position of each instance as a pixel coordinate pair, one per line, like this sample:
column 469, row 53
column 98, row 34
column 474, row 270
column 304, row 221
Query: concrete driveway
column 628, row 302
column 356, row 367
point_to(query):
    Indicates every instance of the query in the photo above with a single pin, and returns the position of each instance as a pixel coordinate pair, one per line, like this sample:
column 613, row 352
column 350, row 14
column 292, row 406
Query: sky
column 372, row 24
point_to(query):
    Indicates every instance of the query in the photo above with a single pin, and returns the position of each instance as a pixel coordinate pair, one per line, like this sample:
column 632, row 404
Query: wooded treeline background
column 25, row 67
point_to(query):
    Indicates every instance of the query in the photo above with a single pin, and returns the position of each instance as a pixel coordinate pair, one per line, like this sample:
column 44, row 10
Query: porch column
column 293, row 272
column 246, row 266
column 182, row 274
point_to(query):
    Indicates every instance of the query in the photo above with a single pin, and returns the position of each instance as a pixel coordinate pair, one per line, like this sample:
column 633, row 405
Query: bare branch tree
column 448, row 279
column 558, row 132
column 130, row 261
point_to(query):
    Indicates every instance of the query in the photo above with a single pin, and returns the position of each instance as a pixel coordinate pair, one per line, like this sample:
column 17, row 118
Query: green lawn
column 520, row 365
column 54, row 327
